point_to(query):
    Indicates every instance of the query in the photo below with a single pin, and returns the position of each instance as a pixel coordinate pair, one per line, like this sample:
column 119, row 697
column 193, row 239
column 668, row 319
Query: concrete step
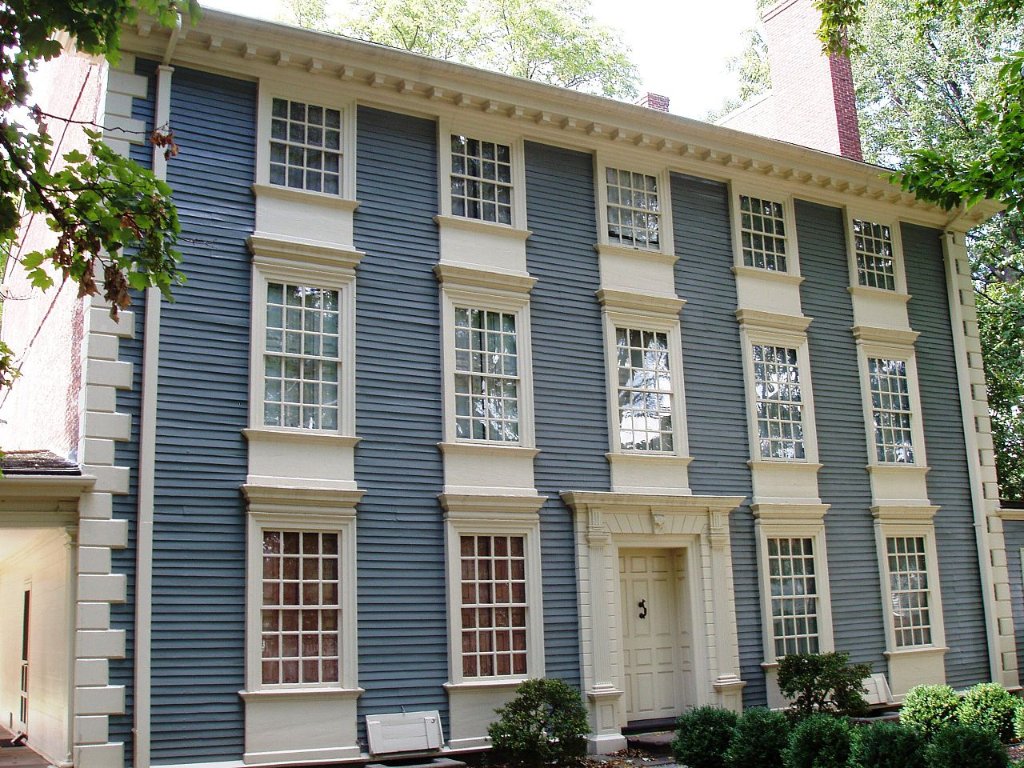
column 417, row 762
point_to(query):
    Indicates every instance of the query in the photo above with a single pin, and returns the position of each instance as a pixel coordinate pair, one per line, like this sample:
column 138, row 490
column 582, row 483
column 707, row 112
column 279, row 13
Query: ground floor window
column 794, row 595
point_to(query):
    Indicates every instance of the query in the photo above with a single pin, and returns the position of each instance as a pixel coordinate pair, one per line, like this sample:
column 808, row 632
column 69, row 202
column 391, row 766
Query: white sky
column 680, row 47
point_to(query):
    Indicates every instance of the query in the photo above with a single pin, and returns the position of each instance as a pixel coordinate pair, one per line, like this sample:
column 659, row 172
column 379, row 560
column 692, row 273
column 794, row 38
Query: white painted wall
column 43, row 565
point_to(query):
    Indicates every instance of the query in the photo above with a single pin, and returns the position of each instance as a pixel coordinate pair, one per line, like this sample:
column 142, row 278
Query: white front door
column 651, row 633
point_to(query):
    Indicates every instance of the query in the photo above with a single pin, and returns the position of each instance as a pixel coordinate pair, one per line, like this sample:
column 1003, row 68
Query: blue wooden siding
column 1013, row 533
column 403, row 636
column 199, row 523
column 570, row 397
column 715, row 400
column 126, row 454
column 843, row 481
column 948, row 481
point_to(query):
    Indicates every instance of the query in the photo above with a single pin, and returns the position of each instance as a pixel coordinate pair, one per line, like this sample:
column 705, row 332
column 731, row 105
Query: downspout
column 952, row 242
column 147, row 450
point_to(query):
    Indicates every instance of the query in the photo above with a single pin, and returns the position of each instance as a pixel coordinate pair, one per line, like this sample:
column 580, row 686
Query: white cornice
column 252, row 48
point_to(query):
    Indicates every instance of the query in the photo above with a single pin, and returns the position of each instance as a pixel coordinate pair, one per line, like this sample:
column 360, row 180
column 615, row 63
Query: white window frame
column 269, row 90
column 791, row 523
column 621, row 162
column 874, row 349
column 481, row 524
column 274, row 261
column 883, row 219
column 614, row 318
column 475, row 297
column 887, row 526
column 762, row 336
column 275, row 510
column 481, row 131
column 789, row 222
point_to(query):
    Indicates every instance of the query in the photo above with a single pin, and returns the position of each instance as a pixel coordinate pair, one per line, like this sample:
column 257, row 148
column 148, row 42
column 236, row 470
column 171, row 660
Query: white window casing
column 764, row 231
column 634, row 205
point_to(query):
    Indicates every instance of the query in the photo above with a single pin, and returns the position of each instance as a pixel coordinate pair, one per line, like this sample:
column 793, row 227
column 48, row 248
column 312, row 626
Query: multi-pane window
column 891, row 410
column 633, row 213
column 493, row 606
column 872, row 246
column 300, row 612
column 486, row 375
column 908, row 590
column 762, row 233
column 794, row 595
column 305, row 146
column 481, row 180
column 779, row 403
column 644, row 390
column 302, row 358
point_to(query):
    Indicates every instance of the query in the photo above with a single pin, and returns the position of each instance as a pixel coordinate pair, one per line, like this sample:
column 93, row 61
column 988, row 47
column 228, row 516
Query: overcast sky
column 680, row 46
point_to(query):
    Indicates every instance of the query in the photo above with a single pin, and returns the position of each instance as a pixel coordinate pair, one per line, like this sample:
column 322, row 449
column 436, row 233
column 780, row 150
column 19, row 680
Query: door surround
column 606, row 522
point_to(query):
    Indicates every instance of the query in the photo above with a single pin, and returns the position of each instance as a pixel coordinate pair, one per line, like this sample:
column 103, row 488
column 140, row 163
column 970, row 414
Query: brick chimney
column 654, row 101
column 812, row 101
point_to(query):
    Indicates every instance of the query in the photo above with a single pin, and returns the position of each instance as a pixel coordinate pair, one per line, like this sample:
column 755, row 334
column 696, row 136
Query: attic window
column 481, row 180
column 873, row 249
column 305, row 147
column 763, row 233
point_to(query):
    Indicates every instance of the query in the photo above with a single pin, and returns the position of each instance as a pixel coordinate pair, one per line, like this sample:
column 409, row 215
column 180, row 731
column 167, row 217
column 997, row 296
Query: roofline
column 238, row 43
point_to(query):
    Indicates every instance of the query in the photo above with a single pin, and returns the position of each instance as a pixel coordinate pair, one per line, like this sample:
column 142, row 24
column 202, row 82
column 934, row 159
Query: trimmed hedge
column 887, row 745
column 759, row 740
column 819, row 741
column 960, row 746
column 989, row 707
column 545, row 723
column 929, row 708
column 703, row 735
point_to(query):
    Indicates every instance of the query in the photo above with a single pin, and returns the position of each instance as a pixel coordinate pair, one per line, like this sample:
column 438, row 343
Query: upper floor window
column 763, row 233
column 873, row 250
column 300, row 617
column 891, row 410
column 794, row 595
column 493, row 605
column 302, row 358
column 634, row 217
column 907, row 562
column 644, row 390
column 305, row 146
column 487, row 375
column 481, row 180
column 778, row 402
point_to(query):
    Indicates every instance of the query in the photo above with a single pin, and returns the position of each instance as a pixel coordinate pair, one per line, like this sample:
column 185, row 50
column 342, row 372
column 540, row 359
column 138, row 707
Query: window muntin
column 486, row 375
column 794, row 595
column 301, row 614
column 634, row 217
column 302, row 358
column 305, row 146
column 763, row 233
column 644, row 390
column 891, row 410
column 909, row 590
column 779, row 402
column 481, row 180
column 873, row 248
column 493, row 605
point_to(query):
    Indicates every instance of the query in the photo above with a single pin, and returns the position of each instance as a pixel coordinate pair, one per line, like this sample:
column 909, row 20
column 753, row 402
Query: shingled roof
column 37, row 463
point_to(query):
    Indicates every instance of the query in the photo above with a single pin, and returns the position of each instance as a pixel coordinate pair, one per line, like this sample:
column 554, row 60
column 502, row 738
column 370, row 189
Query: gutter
column 147, row 451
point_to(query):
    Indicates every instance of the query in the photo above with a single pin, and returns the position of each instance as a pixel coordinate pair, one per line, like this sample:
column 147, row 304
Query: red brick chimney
column 654, row 101
column 812, row 101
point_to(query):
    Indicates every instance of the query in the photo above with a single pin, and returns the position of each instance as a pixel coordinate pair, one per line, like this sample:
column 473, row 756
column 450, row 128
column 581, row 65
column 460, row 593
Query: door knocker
column 642, row 605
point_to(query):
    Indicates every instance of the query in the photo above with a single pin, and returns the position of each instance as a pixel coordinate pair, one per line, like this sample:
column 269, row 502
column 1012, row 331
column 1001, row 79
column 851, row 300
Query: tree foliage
column 552, row 41
column 114, row 225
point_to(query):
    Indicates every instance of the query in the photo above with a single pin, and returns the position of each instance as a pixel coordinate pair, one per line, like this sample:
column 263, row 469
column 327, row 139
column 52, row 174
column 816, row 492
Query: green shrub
column 703, row 736
column 545, row 723
column 929, row 708
column 1018, row 723
column 887, row 745
column 960, row 746
column 990, row 707
column 819, row 741
column 823, row 682
column 760, row 738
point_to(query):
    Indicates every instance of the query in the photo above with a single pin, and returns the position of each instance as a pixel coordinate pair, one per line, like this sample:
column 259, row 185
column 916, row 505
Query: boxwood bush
column 960, row 746
column 819, row 741
column 929, row 708
column 823, row 682
column 887, row 745
column 990, row 707
column 759, row 740
column 545, row 723
column 703, row 736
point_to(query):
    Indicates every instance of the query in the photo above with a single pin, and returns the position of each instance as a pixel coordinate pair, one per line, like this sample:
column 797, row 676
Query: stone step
column 417, row 762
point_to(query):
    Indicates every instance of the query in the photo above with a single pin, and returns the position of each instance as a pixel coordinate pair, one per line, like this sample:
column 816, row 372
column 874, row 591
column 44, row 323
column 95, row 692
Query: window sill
column 742, row 270
column 922, row 650
column 784, row 464
column 491, row 449
column 304, row 694
column 305, row 196
column 865, row 290
column 633, row 252
column 314, row 437
column 483, row 685
column 479, row 225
